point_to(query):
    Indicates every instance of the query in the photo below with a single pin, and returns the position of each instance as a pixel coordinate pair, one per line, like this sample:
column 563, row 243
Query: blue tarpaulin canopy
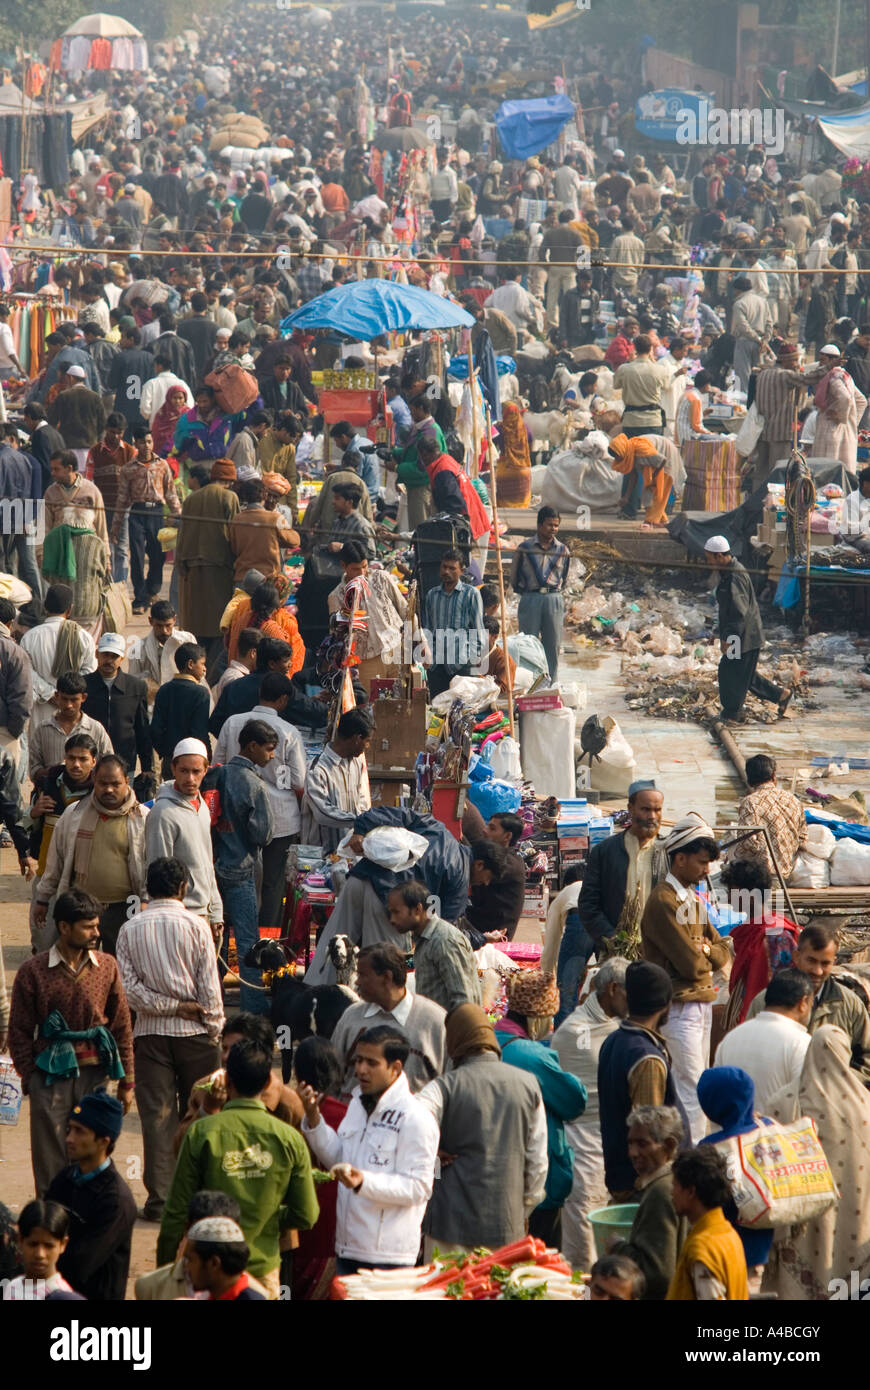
column 365, row 309
column 525, row 127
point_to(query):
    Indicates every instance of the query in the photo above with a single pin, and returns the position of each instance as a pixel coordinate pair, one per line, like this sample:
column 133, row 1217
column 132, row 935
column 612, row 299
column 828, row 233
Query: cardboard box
column 536, row 704
column 399, row 733
column 571, row 843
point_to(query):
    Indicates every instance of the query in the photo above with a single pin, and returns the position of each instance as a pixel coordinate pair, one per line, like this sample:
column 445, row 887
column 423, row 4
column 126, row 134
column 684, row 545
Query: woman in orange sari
column 631, row 455
column 265, row 612
column 513, row 472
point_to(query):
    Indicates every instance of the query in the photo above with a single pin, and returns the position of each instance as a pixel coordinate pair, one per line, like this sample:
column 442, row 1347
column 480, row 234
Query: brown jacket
column 671, row 935
column 256, row 538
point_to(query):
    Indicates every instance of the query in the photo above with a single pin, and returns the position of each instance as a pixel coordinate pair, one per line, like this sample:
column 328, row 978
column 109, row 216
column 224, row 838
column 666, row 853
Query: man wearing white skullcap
column 740, row 636
column 840, row 405
column 215, row 1259
column 676, row 934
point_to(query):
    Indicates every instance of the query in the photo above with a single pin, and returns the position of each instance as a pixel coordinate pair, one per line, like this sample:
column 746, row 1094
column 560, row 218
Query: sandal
column 784, row 702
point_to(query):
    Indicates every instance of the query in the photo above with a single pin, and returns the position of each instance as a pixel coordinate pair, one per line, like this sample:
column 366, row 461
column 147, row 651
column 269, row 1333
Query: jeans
column 542, row 615
column 687, row 1034
column 121, row 550
column 26, row 566
column 240, row 916
column 576, row 948
column 145, row 521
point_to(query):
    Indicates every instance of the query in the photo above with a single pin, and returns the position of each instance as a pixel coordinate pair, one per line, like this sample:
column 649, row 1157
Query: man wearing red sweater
column 69, row 1030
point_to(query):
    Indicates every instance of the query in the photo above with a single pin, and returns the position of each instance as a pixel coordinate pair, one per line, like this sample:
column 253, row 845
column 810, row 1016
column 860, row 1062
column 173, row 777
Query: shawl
column 165, row 421
column 629, row 451
column 58, row 1062
column 468, row 1031
column 91, row 815
column 821, row 397
column 58, row 553
column 805, row 1258
column 514, row 441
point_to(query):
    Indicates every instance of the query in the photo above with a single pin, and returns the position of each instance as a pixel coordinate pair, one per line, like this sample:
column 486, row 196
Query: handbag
column 779, row 1174
column 750, row 431
column 117, row 609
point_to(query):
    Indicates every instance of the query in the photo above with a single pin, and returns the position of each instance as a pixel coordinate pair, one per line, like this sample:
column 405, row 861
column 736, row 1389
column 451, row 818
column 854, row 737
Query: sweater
column 656, row 1235
column 713, row 1243
column 94, row 998
column 179, row 828
column 102, row 1213
column 623, row 1057
column 181, row 710
column 672, row 931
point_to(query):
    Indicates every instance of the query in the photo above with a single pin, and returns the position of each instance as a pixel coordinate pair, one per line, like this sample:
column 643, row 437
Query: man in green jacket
column 409, row 470
column 259, row 1160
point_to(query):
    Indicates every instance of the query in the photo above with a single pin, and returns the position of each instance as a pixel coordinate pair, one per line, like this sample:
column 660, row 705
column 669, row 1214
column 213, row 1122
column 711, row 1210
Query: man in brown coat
column 78, row 413
column 205, row 557
column 676, row 934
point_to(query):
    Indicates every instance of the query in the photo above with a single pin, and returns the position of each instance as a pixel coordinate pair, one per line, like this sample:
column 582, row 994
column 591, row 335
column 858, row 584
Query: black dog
column 298, row 1010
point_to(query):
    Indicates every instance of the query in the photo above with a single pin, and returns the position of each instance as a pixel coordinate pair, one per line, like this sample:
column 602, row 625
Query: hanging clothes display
column 78, row 55
column 100, row 56
column 55, row 57
column 34, row 80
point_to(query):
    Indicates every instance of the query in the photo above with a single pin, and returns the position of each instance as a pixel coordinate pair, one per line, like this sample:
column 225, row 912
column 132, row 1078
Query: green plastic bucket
column 608, row 1222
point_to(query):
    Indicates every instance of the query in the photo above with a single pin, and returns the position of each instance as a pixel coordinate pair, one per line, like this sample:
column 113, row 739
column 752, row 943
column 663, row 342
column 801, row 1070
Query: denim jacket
column 245, row 824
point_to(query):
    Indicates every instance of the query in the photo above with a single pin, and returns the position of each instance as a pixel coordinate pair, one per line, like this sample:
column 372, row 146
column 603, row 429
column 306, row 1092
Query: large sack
column 582, row 477
column 547, row 750
column 615, row 767
column 850, row 864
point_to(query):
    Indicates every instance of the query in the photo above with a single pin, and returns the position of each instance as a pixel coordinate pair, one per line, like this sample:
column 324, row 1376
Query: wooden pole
column 474, row 469
column 493, row 493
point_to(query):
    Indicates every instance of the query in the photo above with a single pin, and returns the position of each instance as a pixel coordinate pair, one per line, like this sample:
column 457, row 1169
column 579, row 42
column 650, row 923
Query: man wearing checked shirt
column 539, row 575
column 453, row 627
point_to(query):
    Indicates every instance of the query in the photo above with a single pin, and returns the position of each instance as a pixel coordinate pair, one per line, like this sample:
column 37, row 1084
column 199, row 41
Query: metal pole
column 836, row 39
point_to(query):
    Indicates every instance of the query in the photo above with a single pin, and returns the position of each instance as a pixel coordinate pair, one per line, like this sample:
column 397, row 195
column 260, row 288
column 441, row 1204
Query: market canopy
column 364, row 309
column 103, row 26
column 849, row 132
column 525, row 127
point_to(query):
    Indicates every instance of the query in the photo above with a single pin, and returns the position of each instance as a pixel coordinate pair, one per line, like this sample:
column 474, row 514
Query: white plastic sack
column 615, row 768
column 750, row 431
column 473, row 691
column 573, row 694
column 820, row 842
column 393, row 847
column 850, row 864
column 505, row 760
column 810, row 872
column 574, row 480
column 547, row 751
column 523, row 680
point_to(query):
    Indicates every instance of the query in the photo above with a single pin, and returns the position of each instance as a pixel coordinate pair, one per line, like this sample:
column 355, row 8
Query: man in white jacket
column 385, row 1150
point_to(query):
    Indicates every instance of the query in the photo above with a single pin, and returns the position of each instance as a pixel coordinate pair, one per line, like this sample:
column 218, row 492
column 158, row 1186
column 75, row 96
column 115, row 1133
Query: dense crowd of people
column 154, row 787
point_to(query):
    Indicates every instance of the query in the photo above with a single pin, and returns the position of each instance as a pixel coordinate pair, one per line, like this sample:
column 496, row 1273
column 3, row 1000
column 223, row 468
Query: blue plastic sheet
column 364, row 309
column 841, row 829
column 458, row 369
column 525, row 127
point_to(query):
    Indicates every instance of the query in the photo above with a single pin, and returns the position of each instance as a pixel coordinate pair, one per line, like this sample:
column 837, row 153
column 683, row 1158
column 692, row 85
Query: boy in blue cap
column 101, row 1206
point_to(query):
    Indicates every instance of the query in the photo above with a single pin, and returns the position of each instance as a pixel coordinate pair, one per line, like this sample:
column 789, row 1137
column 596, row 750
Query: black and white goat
column 298, row 1010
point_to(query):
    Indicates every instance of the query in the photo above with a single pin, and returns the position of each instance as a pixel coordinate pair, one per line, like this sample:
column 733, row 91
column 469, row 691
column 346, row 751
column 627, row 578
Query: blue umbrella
column 364, row 309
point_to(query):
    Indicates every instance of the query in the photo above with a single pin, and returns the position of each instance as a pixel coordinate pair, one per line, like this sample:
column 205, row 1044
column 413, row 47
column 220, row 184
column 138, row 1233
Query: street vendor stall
column 101, row 42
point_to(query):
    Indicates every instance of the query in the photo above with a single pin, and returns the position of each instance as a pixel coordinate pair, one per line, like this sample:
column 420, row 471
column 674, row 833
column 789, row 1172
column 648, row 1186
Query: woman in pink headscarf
column 840, row 405
column 167, row 417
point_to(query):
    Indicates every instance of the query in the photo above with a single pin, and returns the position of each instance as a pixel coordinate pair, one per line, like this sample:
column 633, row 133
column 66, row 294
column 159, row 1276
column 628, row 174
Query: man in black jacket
column 741, row 636
column 623, row 869
column 45, row 440
column 101, row 1206
column 120, row 703
column 200, row 331
column 176, row 350
column 240, row 696
column 128, row 373
column 280, row 392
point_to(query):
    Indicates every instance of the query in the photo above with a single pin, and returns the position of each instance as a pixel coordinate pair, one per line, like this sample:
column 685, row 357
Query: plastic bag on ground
column 663, row 641
column 850, row 864
column 834, row 646
column 528, row 651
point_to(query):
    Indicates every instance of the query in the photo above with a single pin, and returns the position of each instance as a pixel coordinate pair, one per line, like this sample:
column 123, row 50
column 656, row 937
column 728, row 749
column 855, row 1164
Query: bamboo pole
column 474, row 470
column 493, row 493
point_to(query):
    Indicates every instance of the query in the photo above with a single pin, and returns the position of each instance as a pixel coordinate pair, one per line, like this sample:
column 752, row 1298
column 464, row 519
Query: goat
column 301, row 1010
column 551, row 430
